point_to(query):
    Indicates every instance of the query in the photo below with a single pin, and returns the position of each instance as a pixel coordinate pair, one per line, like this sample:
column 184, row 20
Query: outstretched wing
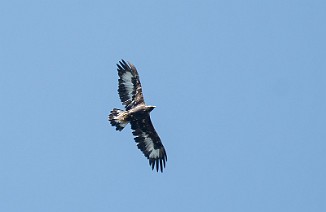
column 130, row 90
column 148, row 141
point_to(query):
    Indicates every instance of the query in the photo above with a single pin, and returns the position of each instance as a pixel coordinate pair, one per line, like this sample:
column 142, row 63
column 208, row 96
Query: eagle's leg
column 119, row 118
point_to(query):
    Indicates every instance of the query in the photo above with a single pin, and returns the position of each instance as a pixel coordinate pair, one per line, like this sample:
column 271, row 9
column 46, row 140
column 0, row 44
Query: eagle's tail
column 118, row 118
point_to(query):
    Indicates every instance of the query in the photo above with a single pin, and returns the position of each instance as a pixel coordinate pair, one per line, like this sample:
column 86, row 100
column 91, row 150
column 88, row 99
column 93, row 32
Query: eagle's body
column 137, row 114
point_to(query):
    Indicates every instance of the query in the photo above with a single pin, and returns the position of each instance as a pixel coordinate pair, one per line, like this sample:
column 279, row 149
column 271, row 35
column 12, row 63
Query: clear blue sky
column 240, row 90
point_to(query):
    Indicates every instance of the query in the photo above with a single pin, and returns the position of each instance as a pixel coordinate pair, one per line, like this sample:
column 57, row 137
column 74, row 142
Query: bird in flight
column 137, row 113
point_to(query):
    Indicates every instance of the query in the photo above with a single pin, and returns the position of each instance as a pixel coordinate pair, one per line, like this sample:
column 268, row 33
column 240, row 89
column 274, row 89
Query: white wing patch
column 127, row 82
column 149, row 144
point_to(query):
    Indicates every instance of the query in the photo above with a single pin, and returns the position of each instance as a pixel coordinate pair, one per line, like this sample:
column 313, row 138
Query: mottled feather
column 149, row 142
column 130, row 90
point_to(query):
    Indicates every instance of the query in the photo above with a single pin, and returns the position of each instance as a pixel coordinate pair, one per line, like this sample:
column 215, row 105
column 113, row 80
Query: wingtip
column 123, row 62
column 157, row 164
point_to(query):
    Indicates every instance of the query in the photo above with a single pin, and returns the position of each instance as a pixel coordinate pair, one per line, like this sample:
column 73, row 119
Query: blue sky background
column 240, row 90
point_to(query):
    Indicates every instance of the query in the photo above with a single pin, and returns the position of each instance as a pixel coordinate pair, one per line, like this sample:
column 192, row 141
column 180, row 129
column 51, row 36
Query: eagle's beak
column 151, row 107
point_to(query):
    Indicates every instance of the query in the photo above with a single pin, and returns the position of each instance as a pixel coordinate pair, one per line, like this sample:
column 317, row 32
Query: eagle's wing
column 130, row 90
column 148, row 141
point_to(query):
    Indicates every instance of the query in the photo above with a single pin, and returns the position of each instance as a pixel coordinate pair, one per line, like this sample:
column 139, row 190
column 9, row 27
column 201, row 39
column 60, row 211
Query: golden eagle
column 137, row 114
